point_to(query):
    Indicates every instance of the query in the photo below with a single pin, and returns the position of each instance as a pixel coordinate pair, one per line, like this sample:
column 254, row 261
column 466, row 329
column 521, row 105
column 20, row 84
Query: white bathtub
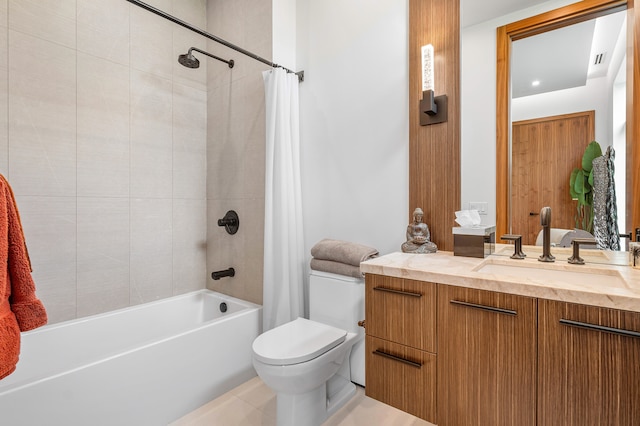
column 145, row 365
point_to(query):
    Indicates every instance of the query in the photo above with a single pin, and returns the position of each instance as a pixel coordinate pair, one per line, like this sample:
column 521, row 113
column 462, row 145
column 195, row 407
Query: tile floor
column 254, row 404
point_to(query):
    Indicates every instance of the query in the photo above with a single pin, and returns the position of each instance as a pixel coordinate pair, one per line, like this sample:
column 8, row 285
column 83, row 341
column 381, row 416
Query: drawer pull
column 595, row 327
column 397, row 358
column 402, row 292
column 484, row 308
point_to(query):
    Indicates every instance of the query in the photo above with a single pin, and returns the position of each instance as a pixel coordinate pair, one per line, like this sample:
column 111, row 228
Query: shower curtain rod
column 210, row 36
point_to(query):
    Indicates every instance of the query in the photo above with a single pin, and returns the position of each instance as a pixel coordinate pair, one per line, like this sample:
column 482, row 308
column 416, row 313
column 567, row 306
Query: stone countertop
column 608, row 286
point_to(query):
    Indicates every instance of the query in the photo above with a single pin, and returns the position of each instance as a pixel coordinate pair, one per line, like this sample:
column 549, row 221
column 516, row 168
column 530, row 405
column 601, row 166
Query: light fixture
column 433, row 109
column 535, row 83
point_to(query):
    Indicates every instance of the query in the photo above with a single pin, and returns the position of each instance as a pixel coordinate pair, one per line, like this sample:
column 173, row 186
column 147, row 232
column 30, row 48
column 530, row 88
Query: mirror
column 508, row 106
column 567, row 89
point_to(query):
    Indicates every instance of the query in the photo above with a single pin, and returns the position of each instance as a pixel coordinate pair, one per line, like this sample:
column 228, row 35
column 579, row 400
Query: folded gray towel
column 336, row 268
column 342, row 251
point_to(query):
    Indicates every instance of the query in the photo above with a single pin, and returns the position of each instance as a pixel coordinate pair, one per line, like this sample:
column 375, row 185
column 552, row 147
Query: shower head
column 190, row 61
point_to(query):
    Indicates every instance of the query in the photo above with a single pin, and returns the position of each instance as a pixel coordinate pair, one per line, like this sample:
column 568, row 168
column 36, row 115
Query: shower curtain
column 283, row 238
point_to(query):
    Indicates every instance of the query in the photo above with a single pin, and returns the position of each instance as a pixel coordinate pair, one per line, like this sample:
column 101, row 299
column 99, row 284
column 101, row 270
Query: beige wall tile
column 4, row 107
column 226, row 142
column 225, row 19
column 235, row 145
column 103, row 127
column 255, row 135
column 258, row 33
column 189, row 142
column 49, row 225
column 164, row 5
column 151, row 250
column 151, row 43
column 253, row 240
column 140, row 132
column 189, row 245
column 183, row 40
column 52, row 20
column 3, row 13
column 103, row 254
column 103, row 29
column 151, row 136
column 192, row 11
column 42, row 116
column 237, row 251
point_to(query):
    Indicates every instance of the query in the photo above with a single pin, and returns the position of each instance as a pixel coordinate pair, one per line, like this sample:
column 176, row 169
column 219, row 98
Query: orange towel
column 20, row 310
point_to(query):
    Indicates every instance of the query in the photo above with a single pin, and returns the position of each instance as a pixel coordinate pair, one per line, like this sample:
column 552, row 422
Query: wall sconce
column 433, row 109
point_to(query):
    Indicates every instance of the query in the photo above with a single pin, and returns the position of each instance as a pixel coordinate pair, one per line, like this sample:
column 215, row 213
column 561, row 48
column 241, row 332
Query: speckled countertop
column 609, row 286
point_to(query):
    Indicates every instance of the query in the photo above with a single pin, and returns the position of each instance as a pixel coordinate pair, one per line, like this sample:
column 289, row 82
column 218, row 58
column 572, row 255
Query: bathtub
column 144, row 365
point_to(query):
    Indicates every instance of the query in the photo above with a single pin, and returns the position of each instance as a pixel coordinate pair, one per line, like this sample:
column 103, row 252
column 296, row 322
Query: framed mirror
column 507, row 35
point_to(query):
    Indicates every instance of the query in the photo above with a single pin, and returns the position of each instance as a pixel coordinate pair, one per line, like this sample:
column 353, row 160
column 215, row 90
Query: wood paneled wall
column 434, row 151
column 633, row 124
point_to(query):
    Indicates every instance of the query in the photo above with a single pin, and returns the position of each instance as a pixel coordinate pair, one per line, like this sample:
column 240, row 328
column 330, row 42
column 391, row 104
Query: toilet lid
column 296, row 341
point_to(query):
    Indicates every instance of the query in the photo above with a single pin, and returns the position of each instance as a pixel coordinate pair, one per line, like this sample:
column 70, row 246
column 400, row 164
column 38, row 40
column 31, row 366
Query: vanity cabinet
column 401, row 344
column 588, row 364
column 486, row 358
column 499, row 359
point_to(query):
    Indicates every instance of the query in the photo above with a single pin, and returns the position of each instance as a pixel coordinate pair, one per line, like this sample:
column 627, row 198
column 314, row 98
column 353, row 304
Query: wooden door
column 486, row 358
column 544, row 153
column 587, row 375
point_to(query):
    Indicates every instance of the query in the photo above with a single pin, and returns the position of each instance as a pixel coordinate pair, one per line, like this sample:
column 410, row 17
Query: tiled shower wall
column 103, row 139
column 235, row 143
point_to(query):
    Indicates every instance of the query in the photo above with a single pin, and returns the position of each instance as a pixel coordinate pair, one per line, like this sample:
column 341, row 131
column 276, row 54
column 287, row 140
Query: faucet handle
column 517, row 241
column 545, row 216
column 575, row 258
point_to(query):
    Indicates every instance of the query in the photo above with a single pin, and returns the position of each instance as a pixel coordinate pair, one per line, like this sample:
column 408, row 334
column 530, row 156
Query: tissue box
column 474, row 241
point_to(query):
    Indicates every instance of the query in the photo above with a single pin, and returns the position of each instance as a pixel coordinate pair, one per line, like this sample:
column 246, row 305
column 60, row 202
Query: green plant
column 581, row 187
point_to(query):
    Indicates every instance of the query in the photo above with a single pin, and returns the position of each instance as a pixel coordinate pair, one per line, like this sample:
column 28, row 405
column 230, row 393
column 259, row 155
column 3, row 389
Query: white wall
column 284, row 27
column 595, row 95
column 478, row 107
column 354, row 120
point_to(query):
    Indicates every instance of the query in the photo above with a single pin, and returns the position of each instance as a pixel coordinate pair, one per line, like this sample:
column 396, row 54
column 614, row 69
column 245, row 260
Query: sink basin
column 553, row 272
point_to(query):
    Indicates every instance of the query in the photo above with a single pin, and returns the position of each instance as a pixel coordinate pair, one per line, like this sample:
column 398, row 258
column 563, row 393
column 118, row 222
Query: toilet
column 312, row 363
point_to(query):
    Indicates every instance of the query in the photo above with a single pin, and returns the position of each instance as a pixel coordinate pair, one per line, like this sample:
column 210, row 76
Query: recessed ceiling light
column 535, row 83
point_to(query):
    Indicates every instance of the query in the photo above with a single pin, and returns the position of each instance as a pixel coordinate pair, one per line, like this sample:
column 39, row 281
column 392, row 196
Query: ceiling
column 566, row 57
column 476, row 11
column 558, row 59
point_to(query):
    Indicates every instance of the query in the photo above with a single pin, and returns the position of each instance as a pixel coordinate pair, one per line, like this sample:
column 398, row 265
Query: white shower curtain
column 283, row 239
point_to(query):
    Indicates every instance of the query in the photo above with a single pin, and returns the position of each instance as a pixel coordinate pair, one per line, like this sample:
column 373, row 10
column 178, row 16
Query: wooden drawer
column 588, row 365
column 402, row 377
column 402, row 311
column 487, row 358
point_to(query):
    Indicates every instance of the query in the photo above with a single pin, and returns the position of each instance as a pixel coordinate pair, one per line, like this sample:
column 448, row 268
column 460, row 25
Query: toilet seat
column 296, row 342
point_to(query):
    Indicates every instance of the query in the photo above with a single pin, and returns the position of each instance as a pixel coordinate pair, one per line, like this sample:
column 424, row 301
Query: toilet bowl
column 308, row 362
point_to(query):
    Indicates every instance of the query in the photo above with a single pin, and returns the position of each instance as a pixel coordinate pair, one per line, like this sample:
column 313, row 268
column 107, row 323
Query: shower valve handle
column 230, row 221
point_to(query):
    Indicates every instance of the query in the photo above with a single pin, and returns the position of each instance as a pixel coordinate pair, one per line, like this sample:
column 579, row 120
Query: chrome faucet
column 545, row 221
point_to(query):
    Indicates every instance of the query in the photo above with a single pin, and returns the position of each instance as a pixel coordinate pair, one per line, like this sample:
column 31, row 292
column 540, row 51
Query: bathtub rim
column 139, row 306
column 37, row 379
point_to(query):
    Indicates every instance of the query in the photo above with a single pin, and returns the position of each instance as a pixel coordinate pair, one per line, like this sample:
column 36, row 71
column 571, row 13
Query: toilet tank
column 338, row 300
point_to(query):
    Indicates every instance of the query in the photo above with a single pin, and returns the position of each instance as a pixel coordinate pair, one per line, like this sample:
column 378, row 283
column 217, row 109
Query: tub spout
column 216, row 275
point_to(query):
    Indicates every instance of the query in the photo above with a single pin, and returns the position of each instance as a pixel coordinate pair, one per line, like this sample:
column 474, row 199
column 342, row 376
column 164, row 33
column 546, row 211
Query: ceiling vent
column 599, row 58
